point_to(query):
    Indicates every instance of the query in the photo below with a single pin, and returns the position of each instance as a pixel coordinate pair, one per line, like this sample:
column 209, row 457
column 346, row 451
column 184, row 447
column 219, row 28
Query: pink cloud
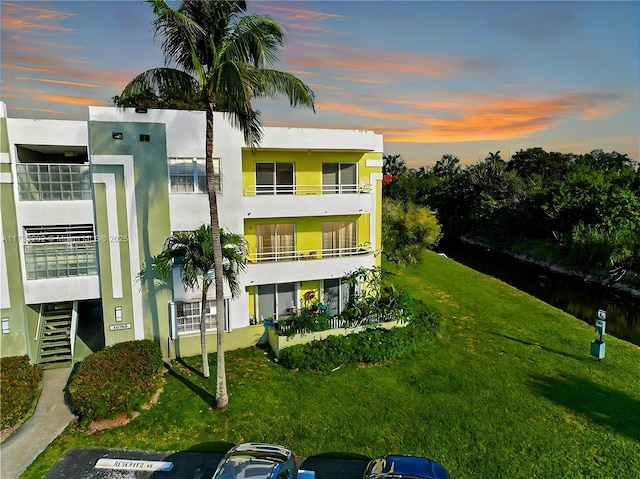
column 296, row 13
column 36, row 20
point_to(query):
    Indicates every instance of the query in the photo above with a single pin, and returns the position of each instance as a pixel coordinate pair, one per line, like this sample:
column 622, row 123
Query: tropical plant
column 220, row 58
column 407, row 229
column 193, row 252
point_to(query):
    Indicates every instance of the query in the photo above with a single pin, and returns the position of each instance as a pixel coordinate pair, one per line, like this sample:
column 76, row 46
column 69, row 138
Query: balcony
column 271, row 201
column 342, row 189
column 265, row 268
column 53, row 182
column 305, row 255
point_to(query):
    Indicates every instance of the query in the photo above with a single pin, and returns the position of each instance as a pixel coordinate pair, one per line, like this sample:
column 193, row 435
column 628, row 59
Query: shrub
column 20, row 383
column 369, row 346
column 117, row 379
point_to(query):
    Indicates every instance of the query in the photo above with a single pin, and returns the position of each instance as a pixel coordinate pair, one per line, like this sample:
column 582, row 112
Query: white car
column 260, row 461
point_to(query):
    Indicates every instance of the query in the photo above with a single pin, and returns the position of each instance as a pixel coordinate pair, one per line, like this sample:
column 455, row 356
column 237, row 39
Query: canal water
column 573, row 295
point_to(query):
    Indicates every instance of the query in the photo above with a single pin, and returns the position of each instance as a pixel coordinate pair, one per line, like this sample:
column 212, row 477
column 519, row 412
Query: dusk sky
column 465, row 78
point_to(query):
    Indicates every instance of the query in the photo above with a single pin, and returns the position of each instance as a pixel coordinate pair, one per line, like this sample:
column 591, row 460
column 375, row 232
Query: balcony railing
column 303, row 255
column 288, row 326
column 344, row 189
column 53, row 182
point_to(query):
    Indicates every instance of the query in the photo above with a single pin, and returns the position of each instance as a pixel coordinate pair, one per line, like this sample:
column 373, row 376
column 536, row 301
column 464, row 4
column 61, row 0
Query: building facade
column 87, row 204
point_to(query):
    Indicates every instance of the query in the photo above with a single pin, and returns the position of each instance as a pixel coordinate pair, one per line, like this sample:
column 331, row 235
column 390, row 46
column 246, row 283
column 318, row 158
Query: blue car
column 260, row 461
column 405, row 467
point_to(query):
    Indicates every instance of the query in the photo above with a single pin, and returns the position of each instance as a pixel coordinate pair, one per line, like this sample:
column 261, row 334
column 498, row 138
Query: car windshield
column 245, row 467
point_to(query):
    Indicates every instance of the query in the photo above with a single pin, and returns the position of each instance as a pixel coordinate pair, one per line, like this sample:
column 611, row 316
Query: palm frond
column 274, row 83
column 163, row 82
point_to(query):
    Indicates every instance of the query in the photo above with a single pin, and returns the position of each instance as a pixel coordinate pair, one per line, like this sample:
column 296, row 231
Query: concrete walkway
column 49, row 419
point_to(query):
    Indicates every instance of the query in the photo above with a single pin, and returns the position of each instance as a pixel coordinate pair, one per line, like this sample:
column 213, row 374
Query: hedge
column 117, row 379
column 20, row 385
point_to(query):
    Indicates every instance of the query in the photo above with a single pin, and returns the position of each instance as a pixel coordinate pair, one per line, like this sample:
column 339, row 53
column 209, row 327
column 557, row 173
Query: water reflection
column 573, row 295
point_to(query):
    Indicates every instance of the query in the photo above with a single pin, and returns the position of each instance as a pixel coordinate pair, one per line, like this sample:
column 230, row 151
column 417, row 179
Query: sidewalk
column 49, row 419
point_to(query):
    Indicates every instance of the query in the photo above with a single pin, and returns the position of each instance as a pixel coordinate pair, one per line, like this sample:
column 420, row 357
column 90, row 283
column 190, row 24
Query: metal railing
column 336, row 322
column 303, row 255
column 343, row 189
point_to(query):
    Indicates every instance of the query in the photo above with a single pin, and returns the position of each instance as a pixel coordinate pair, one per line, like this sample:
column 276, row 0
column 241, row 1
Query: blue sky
column 465, row 78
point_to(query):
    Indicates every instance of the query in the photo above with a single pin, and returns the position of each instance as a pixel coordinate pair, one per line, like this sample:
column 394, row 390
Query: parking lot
column 80, row 463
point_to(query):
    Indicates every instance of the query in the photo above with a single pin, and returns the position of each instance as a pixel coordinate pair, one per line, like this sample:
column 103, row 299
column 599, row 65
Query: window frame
column 274, row 187
column 276, row 254
column 194, row 317
column 336, row 252
column 194, row 176
column 339, row 187
column 60, row 251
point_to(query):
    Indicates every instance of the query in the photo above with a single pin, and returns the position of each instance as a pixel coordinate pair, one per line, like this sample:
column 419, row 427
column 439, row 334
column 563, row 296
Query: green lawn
column 507, row 389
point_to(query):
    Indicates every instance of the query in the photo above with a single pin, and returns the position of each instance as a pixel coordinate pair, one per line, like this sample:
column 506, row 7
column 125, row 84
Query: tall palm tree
column 193, row 251
column 219, row 57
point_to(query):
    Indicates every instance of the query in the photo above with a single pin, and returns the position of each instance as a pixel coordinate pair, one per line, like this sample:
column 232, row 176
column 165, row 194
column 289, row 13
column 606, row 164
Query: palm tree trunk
column 222, row 399
column 203, row 330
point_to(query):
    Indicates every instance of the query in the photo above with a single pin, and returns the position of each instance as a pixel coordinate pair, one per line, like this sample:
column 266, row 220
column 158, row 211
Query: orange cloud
column 359, row 80
column 58, row 82
column 56, row 46
column 25, row 17
column 502, row 118
column 72, row 100
column 474, row 117
column 438, row 67
column 41, row 110
column 296, row 13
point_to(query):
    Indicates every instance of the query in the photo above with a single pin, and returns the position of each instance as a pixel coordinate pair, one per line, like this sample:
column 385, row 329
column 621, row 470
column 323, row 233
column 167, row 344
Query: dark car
column 260, row 461
column 405, row 467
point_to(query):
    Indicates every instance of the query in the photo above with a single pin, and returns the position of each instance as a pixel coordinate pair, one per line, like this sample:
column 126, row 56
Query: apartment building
column 87, row 204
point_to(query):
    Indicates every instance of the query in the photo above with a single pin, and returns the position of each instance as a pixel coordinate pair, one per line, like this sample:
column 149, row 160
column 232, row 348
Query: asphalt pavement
column 80, row 463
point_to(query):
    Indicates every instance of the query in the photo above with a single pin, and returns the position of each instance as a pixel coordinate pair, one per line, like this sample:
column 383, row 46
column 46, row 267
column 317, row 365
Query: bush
column 117, row 379
column 20, row 383
column 369, row 346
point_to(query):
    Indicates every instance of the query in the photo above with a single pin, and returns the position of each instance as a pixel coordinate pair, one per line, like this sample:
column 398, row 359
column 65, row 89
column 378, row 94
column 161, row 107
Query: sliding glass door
column 339, row 238
column 274, row 242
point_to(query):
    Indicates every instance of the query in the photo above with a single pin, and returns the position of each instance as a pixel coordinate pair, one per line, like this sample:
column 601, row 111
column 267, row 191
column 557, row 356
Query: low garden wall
column 279, row 342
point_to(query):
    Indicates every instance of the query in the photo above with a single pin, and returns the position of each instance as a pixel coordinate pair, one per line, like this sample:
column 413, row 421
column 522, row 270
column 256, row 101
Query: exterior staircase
column 55, row 335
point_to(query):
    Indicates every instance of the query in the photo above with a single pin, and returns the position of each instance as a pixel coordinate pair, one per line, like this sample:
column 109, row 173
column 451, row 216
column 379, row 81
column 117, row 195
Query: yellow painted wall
column 308, row 230
column 308, row 165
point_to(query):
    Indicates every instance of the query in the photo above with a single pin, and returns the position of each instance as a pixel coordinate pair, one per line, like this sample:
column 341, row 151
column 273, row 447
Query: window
column 189, row 175
column 276, row 300
column 60, row 251
column 275, row 242
column 338, row 238
column 188, row 317
column 339, row 178
column 53, row 182
column 274, row 179
column 336, row 295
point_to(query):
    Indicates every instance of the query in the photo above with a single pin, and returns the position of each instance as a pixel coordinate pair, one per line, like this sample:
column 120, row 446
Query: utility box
column 597, row 348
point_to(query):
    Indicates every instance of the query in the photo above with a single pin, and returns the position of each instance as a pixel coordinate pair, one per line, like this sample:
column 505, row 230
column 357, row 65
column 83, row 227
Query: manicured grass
column 506, row 389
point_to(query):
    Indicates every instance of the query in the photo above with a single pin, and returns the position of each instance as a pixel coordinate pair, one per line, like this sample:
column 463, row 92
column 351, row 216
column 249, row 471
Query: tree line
column 584, row 208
